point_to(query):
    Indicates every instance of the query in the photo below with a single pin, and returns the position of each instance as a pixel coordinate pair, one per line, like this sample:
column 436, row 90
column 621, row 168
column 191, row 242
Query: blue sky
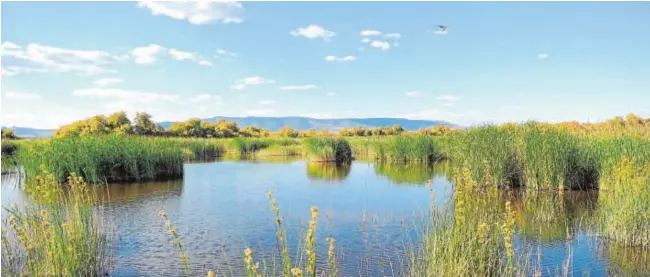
column 496, row 62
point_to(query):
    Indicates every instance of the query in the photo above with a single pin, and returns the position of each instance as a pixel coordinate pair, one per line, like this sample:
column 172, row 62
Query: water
column 374, row 212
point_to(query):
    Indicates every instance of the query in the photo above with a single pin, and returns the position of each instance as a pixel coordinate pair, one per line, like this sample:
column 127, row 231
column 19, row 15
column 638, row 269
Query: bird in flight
column 442, row 28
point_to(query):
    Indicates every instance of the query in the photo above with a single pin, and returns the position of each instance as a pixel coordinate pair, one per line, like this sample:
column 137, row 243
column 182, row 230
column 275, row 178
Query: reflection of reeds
column 473, row 239
column 328, row 171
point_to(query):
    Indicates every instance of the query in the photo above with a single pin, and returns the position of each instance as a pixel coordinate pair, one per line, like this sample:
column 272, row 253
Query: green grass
column 327, row 149
column 103, row 159
column 401, row 148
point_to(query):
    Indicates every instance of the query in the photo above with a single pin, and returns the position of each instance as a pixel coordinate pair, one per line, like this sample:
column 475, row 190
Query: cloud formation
column 197, row 12
column 313, row 31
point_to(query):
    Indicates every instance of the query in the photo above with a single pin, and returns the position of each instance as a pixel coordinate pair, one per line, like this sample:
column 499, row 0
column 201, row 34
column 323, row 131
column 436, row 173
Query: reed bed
column 103, row 159
column 60, row 234
column 541, row 156
column 399, row 149
column 327, row 149
column 471, row 237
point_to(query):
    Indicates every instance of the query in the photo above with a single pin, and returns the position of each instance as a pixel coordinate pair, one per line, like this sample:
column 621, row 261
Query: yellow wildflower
column 296, row 272
column 211, row 274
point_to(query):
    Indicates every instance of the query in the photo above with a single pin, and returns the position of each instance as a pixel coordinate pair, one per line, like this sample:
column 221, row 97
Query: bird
column 442, row 28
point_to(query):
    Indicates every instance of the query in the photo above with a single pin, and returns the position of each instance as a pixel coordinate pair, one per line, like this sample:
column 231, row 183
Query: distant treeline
column 119, row 123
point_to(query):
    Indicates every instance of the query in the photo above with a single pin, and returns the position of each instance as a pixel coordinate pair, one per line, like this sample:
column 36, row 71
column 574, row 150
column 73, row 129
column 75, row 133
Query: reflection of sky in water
column 220, row 208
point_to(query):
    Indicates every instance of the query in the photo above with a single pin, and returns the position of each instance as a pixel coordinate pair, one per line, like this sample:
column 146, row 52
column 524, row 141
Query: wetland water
column 373, row 211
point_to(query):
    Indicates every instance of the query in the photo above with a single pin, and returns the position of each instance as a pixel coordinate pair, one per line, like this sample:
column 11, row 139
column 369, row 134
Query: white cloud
column 146, row 54
column 205, row 63
column 238, row 86
column 305, row 87
column 107, row 81
column 440, row 32
column 393, row 36
column 313, row 31
column 182, row 55
column 221, row 52
column 197, row 12
column 267, row 102
column 121, row 94
column 450, row 98
column 340, row 59
column 256, row 80
column 380, row 44
column 542, row 56
column 190, row 56
column 21, row 95
column 365, row 40
column 331, row 94
column 42, row 58
column 367, row 33
column 415, row 93
column 448, row 104
column 261, row 112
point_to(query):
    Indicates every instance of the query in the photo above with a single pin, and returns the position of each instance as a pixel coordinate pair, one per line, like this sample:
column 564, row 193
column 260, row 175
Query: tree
column 8, row 134
column 144, row 125
column 286, row 131
column 119, row 123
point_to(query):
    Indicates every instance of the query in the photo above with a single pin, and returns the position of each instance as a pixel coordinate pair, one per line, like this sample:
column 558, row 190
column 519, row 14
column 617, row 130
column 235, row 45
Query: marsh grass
column 327, row 149
column 625, row 205
column 400, row 149
column 103, row 159
column 472, row 237
column 58, row 235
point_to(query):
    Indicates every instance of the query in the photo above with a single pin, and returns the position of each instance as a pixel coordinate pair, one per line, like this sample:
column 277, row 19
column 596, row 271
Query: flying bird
column 442, row 28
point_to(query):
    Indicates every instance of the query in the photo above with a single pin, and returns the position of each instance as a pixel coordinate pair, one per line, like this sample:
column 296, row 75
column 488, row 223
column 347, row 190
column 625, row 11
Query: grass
column 103, row 159
column 59, row 235
column 472, row 237
column 328, row 149
column 9, row 149
column 399, row 149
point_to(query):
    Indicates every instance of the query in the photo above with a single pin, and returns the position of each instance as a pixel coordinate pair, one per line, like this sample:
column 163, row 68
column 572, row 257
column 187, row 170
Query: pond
column 375, row 213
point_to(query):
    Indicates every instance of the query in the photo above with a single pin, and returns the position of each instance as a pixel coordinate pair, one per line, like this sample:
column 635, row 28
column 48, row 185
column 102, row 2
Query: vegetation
column 328, row 149
column 471, row 238
column 103, row 159
column 366, row 132
column 8, row 134
column 417, row 149
column 59, row 235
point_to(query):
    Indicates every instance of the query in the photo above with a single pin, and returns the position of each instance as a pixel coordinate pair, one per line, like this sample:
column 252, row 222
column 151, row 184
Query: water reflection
column 552, row 216
column 411, row 173
column 220, row 208
column 116, row 193
column 330, row 172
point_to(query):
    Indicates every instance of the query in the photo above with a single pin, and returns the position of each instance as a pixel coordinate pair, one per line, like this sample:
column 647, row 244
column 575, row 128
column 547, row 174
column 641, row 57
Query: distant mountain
column 26, row 132
column 306, row 123
column 276, row 123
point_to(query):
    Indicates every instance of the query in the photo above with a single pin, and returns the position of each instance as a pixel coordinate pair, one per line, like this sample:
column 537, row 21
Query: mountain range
column 276, row 123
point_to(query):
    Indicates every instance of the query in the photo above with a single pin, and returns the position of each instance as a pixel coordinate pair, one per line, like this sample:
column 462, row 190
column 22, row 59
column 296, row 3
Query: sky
column 494, row 62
